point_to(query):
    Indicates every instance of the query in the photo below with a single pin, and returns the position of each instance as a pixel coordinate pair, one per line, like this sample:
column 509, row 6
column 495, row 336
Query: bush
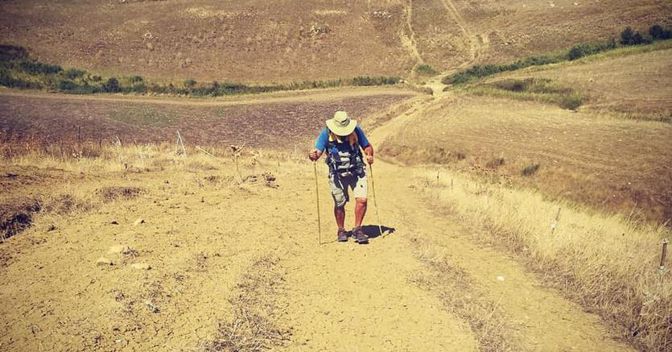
column 581, row 50
column 34, row 67
column 190, row 83
column 5, row 78
column 632, row 37
column 657, row 32
column 374, row 81
column 480, row 71
column 425, row 69
column 11, row 52
column 136, row 79
column 530, row 170
column 572, row 101
column 67, row 85
column 139, row 88
column 111, row 86
column 73, row 73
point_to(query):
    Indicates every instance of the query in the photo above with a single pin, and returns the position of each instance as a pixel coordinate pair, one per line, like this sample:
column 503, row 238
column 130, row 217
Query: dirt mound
column 112, row 193
column 17, row 216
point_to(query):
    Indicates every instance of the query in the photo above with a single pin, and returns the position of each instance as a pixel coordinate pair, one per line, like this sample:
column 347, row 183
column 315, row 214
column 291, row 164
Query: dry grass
column 606, row 263
column 462, row 297
column 254, row 325
column 631, row 82
column 249, row 41
column 600, row 160
column 56, row 123
column 41, row 183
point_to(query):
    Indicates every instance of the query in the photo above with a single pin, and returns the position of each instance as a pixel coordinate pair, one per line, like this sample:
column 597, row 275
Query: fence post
column 554, row 225
column 663, row 255
column 180, row 144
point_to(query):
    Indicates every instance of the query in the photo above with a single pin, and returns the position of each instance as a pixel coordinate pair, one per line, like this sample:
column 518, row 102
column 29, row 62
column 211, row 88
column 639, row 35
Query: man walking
column 343, row 141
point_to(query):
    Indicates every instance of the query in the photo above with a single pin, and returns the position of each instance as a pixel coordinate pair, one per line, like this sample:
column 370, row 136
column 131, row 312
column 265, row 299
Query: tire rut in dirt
column 256, row 311
column 461, row 297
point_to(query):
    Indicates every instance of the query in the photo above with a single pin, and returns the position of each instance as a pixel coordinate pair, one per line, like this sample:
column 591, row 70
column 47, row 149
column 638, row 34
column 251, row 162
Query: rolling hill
column 254, row 41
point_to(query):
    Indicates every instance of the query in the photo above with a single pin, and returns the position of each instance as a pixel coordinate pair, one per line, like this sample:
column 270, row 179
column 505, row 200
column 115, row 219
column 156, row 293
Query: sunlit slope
column 630, row 85
column 593, row 155
column 260, row 41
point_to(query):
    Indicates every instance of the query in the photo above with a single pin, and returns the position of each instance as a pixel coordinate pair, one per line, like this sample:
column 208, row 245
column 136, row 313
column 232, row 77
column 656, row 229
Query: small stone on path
column 119, row 249
column 141, row 266
column 102, row 261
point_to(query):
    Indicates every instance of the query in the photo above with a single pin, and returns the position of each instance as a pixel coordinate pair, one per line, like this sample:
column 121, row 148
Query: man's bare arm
column 369, row 154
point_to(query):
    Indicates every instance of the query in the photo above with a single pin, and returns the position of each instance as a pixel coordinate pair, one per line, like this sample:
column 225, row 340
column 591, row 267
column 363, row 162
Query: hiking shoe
column 342, row 235
column 360, row 236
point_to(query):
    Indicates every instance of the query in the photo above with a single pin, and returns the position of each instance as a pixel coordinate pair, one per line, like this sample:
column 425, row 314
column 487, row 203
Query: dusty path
column 427, row 286
column 352, row 297
column 263, row 98
column 540, row 318
column 408, row 41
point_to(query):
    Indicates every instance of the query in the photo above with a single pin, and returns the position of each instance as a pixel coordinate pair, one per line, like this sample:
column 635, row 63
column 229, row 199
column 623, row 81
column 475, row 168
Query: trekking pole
column 375, row 203
column 317, row 195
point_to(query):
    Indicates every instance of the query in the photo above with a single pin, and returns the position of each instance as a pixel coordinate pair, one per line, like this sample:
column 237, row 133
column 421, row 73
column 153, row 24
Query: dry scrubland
column 188, row 266
column 289, row 41
column 593, row 156
column 515, row 220
column 43, row 120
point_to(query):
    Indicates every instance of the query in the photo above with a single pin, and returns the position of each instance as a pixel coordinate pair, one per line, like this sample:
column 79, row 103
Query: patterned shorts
column 339, row 188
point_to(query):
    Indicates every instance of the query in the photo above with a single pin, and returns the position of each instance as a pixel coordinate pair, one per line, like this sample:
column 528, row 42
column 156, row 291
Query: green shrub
column 136, row 79
column 190, row 83
column 34, row 67
column 632, row 37
column 111, row 86
column 73, row 73
column 11, row 52
column 581, row 50
column 425, row 69
column 67, row 85
column 571, row 101
column 139, row 88
column 628, row 37
column 374, row 81
column 657, row 32
column 480, row 71
column 530, row 170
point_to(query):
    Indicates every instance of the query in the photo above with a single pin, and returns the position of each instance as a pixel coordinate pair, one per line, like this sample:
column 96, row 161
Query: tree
column 627, row 35
column 111, row 86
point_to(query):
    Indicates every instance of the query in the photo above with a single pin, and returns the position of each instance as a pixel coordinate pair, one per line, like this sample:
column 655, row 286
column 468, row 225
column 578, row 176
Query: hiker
column 343, row 141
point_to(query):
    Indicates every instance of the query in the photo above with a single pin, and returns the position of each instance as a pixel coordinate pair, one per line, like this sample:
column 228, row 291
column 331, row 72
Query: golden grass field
column 595, row 156
column 522, row 212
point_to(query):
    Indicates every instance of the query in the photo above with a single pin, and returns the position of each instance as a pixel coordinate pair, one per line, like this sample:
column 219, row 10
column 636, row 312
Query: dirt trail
column 408, row 41
column 474, row 43
column 541, row 318
column 203, row 235
column 351, row 297
column 263, row 98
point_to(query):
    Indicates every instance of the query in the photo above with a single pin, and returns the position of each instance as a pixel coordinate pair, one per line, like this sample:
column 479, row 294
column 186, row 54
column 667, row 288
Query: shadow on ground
column 373, row 231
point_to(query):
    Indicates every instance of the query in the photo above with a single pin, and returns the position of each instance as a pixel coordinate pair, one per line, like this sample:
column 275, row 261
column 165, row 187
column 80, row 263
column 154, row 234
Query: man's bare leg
column 339, row 213
column 360, row 211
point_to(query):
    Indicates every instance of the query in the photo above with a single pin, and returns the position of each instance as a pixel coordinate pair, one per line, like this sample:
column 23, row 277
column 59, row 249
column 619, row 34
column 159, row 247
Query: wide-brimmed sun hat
column 341, row 124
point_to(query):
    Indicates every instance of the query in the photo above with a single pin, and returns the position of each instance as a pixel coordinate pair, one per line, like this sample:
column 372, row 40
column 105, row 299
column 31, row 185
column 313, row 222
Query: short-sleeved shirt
column 323, row 139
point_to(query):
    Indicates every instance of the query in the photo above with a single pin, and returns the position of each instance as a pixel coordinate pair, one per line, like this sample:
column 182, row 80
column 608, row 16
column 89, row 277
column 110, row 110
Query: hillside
column 253, row 42
column 525, row 207
column 602, row 154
